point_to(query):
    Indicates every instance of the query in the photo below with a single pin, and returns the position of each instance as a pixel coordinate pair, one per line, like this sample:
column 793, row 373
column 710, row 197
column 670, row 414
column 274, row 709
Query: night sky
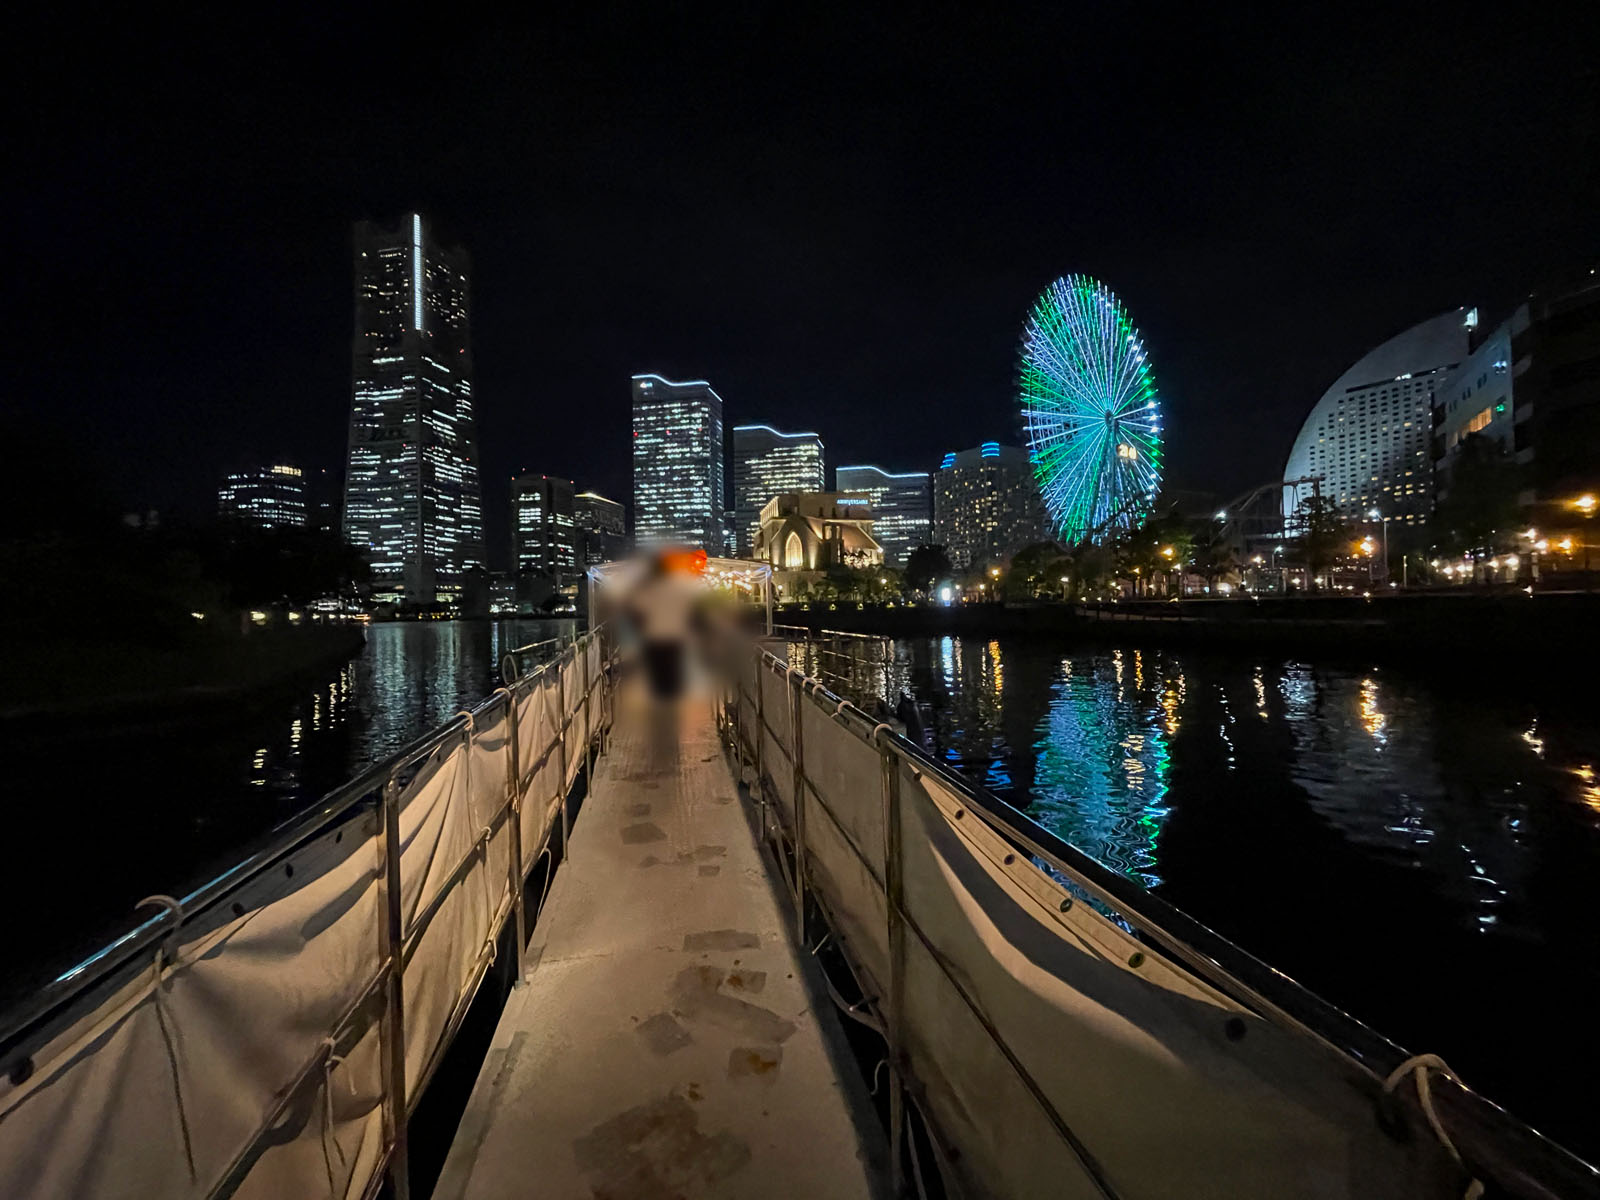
column 839, row 219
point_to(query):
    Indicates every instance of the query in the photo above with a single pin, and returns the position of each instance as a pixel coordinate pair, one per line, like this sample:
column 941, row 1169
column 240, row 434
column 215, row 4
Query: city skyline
column 883, row 291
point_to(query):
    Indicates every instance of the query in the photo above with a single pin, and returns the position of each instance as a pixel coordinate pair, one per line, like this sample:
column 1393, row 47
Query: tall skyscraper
column 412, row 495
column 678, row 473
column 902, row 507
column 271, row 497
column 1368, row 441
column 768, row 462
column 544, row 529
column 986, row 505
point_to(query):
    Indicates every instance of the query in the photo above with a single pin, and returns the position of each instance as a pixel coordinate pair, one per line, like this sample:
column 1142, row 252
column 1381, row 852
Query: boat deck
column 668, row 1039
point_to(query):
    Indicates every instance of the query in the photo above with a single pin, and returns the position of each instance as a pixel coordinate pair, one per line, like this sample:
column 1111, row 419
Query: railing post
column 894, row 1007
column 738, row 713
column 797, row 743
column 514, row 803
column 600, row 683
column 761, row 741
column 391, row 942
column 611, row 689
column 561, row 757
column 588, row 732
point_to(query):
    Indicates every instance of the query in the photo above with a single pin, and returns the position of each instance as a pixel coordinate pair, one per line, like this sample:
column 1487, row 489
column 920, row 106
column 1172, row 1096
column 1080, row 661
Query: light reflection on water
column 1361, row 750
column 412, row 677
column 174, row 803
column 1100, row 768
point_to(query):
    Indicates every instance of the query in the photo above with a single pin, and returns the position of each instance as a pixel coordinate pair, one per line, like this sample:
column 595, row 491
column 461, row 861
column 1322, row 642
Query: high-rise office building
column 1368, row 441
column 412, row 496
column 544, row 529
column 986, row 505
column 270, row 497
column 768, row 462
column 902, row 507
column 678, row 472
column 602, row 528
column 1533, row 387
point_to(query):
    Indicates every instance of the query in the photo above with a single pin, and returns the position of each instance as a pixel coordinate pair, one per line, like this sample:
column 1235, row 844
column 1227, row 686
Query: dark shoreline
column 216, row 679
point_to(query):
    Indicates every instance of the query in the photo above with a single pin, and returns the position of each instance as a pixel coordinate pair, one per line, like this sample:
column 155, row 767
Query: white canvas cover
column 1048, row 1044
column 159, row 1083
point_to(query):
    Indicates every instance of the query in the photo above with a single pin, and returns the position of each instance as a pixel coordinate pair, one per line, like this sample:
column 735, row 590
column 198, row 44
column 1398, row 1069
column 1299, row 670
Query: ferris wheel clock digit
column 1091, row 410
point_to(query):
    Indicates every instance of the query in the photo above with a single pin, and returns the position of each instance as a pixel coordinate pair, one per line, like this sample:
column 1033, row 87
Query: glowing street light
column 1366, row 546
column 1586, row 504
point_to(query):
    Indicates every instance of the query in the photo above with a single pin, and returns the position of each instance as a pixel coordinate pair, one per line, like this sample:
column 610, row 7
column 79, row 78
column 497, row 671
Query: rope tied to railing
column 484, row 838
column 166, row 951
column 1418, row 1066
column 330, row 1060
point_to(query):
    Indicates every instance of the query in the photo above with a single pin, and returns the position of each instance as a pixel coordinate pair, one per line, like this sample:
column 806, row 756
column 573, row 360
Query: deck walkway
column 668, row 1040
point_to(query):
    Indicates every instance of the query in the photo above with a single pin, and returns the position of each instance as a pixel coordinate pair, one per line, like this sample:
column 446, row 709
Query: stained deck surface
column 666, row 1040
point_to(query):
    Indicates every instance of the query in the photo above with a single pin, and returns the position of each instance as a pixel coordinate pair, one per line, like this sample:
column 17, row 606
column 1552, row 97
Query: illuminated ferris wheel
column 1091, row 410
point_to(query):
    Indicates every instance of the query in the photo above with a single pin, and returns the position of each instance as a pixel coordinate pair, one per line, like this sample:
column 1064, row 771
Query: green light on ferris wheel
column 1091, row 410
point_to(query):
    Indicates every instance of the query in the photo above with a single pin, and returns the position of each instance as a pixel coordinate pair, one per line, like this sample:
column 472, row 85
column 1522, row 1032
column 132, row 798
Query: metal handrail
column 1211, row 957
column 509, row 669
column 380, row 781
column 286, row 839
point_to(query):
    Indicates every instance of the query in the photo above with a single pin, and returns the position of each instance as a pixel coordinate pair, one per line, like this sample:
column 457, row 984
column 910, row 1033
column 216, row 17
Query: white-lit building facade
column 268, row 497
column 768, row 462
column 802, row 534
column 544, row 530
column 902, row 507
column 1367, row 445
column 678, row 471
column 986, row 505
column 413, row 501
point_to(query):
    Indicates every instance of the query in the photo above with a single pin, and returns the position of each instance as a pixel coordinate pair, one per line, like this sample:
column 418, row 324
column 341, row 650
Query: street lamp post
column 1377, row 516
